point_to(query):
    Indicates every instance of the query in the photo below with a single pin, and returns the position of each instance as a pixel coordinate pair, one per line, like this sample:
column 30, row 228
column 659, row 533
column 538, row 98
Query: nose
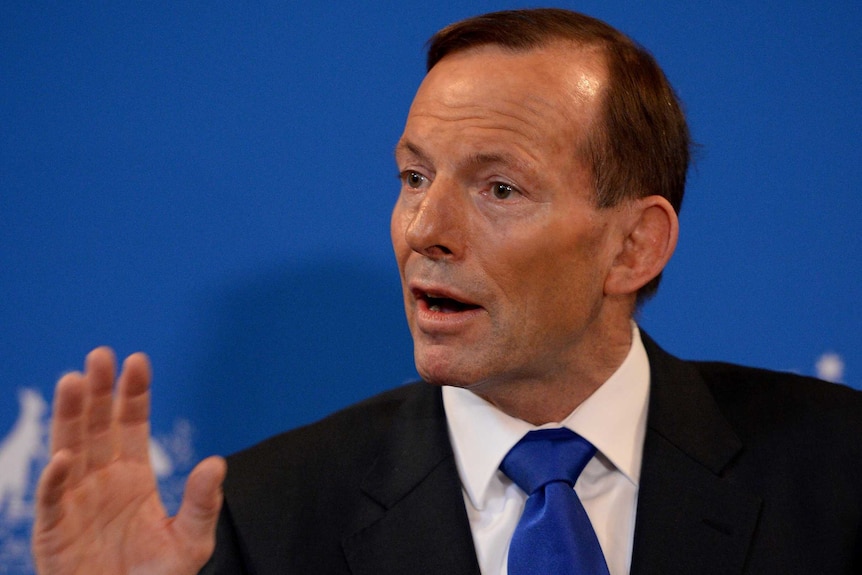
column 435, row 225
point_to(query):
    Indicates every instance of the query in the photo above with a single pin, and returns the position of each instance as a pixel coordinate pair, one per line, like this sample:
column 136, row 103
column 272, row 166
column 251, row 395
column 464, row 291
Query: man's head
column 640, row 145
column 513, row 270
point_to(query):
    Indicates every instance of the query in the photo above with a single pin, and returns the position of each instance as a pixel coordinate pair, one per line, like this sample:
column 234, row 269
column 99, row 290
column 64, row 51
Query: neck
column 553, row 396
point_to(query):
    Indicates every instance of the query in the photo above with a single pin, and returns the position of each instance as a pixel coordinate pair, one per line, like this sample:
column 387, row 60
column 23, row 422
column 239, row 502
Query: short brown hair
column 641, row 146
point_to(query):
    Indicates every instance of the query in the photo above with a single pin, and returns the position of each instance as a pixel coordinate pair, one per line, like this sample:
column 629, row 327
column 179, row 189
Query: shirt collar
column 613, row 419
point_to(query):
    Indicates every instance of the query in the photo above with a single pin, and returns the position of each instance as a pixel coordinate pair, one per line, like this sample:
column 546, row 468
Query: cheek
column 397, row 228
column 554, row 277
column 394, row 223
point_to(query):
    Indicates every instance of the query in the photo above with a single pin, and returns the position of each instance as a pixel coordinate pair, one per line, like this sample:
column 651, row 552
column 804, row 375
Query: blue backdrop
column 211, row 183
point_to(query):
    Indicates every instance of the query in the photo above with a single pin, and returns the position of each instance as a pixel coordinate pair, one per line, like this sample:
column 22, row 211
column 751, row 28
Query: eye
column 502, row 191
column 412, row 179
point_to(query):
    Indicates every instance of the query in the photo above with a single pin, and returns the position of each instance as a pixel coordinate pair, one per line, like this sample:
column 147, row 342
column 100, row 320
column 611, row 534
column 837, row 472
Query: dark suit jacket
column 744, row 471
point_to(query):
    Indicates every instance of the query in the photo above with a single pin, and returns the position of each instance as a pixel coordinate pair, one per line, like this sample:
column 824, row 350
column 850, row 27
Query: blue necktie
column 554, row 535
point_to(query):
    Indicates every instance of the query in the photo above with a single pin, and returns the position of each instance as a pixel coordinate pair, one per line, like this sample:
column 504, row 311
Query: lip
column 432, row 320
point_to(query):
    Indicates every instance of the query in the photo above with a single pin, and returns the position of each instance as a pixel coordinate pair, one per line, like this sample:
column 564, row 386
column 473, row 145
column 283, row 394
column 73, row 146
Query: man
column 542, row 165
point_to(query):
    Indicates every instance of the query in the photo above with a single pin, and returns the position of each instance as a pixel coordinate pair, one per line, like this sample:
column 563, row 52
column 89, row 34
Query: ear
column 651, row 228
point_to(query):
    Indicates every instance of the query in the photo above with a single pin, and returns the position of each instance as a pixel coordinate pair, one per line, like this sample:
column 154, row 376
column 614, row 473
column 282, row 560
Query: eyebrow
column 483, row 159
column 409, row 147
column 476, row 159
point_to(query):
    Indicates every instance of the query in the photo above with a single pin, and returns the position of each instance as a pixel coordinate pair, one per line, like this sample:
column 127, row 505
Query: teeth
column 434, row 307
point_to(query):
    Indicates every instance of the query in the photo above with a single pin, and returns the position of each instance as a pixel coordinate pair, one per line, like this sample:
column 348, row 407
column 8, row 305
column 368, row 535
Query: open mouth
column 442, row 304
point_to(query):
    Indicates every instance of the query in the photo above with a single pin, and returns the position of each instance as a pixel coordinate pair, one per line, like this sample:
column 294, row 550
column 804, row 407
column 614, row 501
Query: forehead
column 549, row 93
column 573, row 67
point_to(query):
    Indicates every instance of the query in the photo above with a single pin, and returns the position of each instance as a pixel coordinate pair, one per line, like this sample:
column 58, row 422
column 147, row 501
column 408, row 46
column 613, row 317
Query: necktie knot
column 547, row 455
column 554, row 534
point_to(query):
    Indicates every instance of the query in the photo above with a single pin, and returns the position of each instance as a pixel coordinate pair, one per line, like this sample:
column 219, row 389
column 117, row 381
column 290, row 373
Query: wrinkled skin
column 97, row 505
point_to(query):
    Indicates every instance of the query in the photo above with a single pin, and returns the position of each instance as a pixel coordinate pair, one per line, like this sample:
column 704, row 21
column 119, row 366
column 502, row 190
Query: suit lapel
column 690, row 519
column 413, row 518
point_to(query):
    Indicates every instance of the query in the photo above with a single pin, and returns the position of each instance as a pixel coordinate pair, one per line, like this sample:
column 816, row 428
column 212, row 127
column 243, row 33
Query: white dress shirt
column 613, row 419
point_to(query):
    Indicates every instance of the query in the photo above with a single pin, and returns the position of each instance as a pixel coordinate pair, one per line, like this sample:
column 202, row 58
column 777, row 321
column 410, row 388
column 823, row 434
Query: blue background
column 212, row 182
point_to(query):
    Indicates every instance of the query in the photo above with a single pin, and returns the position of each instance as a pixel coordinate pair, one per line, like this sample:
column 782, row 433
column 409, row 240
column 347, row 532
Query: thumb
column 196, row 520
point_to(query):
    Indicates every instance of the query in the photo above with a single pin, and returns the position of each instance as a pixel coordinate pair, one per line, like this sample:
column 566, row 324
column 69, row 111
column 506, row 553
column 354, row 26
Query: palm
column 98, row 509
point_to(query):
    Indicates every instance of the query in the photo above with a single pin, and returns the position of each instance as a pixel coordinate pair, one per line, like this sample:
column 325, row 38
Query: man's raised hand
column 97, row 505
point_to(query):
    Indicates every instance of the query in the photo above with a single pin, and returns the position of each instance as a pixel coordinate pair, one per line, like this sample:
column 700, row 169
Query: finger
column 50, row 490
column 69, row 421
column 99, row 376
column 196, row 520
column 132, row 409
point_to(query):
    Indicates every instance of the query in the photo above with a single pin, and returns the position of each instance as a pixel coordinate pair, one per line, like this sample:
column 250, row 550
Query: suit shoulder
column 722, row 375
column 755, row 394
column 341, row 438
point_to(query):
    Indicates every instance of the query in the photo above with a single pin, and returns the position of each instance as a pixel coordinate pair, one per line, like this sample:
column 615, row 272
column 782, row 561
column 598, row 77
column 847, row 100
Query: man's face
column 502, row 252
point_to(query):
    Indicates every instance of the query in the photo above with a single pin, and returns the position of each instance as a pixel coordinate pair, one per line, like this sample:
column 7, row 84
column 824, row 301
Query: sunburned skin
column 516, row 282
column 502, row 251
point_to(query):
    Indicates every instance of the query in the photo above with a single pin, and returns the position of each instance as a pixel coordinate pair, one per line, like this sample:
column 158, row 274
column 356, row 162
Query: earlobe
column 651, row 232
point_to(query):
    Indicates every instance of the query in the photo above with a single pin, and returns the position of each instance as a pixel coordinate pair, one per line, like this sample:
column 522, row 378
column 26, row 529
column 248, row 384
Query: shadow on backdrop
column 286, row 348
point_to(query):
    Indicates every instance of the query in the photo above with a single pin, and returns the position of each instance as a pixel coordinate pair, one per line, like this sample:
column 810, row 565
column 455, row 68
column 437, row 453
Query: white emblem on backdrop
column 23, row 454
column 830, row 367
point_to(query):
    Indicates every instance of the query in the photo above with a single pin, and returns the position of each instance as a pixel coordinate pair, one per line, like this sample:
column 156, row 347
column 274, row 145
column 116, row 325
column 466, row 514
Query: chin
column 439, row 375
column 439, row 372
